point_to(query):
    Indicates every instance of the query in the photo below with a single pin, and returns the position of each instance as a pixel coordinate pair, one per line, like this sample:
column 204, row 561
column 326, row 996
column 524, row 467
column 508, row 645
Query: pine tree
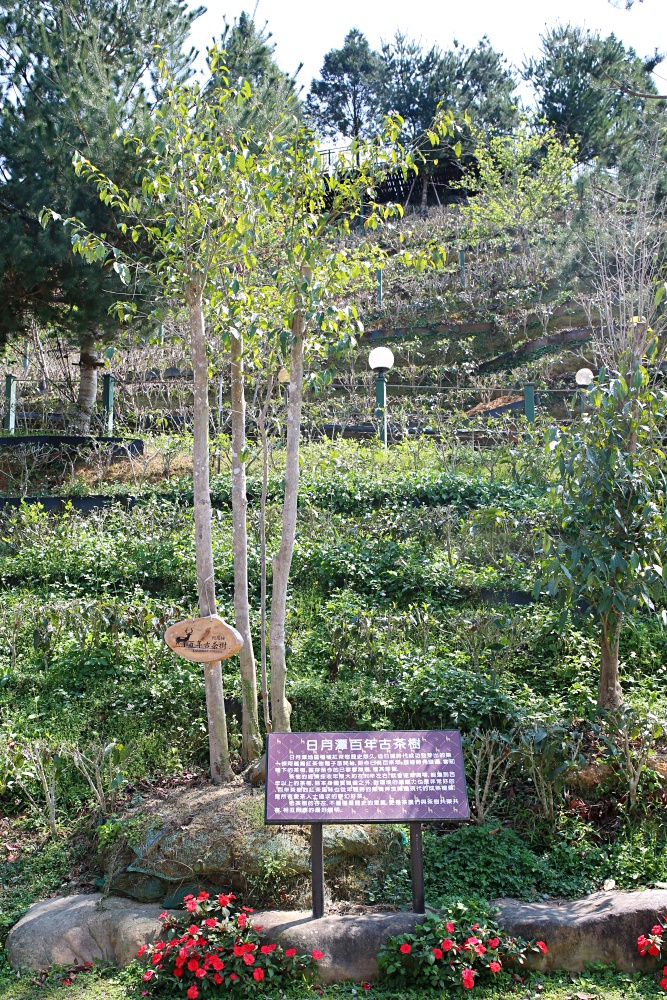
column 345, row 101
column 74, row 75
column 582, row 82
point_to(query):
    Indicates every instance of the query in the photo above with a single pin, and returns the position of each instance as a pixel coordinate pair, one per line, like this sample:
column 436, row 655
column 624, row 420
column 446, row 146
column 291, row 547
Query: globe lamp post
column 584, row 378
column 381, row 360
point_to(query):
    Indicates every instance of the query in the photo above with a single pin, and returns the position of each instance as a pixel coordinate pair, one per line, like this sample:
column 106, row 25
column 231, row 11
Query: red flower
column 543, row 948
column 67, row 982
column 211, row 922
column 249, row 959
column 193, row 964
column 247, row 909
column 200, row 973
column 163, row 915
column 233, row 977
column 192, row 993
column 157, row 957
column 494, row 942
column 480, row 949
column 191, row 905
column 202, row 896
column 217, row 979
column 148, row 974
column 474, row 927
column 249, row 946
column 365, row 986
column 186, row 898
column 243, row 920
column 178, row 971
column 663, row 984
column 471, row 942
column 450, row 927
column 258, row 974
column 657, row 929
column 317, row 955
column 642, row 942
column 224, row 900
column 266, row 949
column 447, row 944
column 438, row 953
column 654, row 950
column 193, row 929
column 290, row 953
column 142, row 950
column 495, row 966
column 468, row 978
column 239, row 950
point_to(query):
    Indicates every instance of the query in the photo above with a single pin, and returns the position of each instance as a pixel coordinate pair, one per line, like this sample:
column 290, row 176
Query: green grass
column 106, row 985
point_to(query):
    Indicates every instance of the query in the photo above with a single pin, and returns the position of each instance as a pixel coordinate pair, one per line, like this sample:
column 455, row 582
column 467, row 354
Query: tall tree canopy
column 74, row 75
column 584, row 86
column 414, row 81
column 345, row 100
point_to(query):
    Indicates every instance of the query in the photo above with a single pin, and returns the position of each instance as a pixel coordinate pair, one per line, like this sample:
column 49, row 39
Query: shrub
column 212, row 945
column 459, row 949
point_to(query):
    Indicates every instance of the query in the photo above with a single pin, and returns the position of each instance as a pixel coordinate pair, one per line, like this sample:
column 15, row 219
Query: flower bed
column 213, row 946
column 459, row 949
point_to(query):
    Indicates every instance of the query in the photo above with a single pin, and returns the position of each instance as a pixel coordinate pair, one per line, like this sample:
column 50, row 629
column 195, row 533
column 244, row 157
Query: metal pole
column 317, row 868
column 381, row 405
column 529, row 402
column 9, row 420
column 380, row 289
column 108, row 382
column 417, row 865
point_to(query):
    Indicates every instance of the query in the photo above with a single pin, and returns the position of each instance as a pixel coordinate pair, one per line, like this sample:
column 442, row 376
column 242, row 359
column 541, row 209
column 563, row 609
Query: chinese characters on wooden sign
column 203, row 639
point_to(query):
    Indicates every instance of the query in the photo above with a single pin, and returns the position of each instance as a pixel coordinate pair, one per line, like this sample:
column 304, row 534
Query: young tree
column 612, row 546
column 624, row 260
column 72, row 75
column 345, row 100
column 309, row 269
column 194, row 216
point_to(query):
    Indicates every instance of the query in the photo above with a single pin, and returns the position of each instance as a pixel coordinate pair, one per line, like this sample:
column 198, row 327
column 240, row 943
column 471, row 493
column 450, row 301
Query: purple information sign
column 365, row 777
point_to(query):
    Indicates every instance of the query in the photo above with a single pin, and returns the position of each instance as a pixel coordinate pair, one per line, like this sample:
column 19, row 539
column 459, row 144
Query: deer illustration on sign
column 203, row 639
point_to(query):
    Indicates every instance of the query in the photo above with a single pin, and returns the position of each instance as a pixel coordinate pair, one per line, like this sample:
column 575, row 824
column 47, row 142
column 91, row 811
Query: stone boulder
column 602, row 927
column 214, row 837
column 70, row 930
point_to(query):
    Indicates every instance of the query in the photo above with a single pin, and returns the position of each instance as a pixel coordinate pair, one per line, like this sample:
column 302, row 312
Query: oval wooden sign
column 203, row 639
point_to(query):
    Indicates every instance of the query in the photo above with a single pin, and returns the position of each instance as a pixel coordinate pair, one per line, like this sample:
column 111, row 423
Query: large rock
column 602, row 927
column 69, row 930
column 214, row 837
column 350, row 943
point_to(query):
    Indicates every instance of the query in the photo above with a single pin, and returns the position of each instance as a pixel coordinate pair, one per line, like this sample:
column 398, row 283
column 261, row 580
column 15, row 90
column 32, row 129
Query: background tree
column 612, row 546
column 249, row 55
column 72, row 76
column 580, row 80
column 474, row 84
column 345, row 100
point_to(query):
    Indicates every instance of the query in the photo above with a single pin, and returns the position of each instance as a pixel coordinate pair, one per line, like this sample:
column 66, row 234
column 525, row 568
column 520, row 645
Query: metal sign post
column 373, row 777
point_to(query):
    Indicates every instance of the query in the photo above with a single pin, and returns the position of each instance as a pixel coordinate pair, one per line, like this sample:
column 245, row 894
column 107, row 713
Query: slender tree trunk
column 282, row 561
column 262, row 542
column 423, row 211
column 610, row 694
column 215, row 705
column 251, row 739
column 89, row 362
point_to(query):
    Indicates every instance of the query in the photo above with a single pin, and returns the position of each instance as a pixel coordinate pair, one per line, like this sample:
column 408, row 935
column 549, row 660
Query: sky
column 304, row 30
